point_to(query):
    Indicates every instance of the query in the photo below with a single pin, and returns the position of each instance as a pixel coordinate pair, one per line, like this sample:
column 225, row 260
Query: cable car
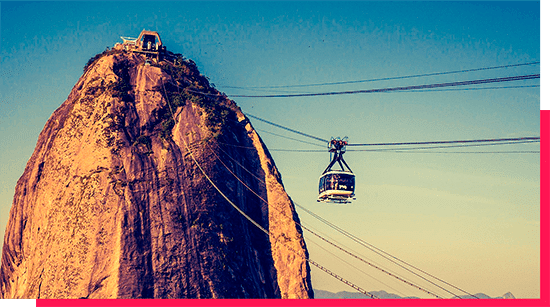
column 337, row 186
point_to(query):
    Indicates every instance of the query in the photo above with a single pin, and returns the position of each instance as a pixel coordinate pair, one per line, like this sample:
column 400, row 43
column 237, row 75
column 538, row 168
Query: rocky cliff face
column 112, row 204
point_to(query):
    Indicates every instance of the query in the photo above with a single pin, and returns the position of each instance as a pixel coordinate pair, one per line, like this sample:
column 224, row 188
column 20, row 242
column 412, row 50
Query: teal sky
column 471, row 219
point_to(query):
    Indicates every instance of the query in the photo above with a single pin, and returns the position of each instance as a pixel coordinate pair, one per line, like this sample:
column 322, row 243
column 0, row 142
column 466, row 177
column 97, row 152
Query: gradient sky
column 470, row 219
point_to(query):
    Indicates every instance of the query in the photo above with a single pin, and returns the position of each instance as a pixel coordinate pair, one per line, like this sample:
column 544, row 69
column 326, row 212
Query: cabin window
column 346, row 183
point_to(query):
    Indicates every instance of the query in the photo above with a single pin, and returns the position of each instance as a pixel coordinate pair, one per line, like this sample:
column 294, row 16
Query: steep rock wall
column 112, row 205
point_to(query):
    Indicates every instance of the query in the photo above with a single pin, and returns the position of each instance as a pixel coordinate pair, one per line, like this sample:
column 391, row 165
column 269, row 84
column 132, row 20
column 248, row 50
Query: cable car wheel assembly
column 337, row 186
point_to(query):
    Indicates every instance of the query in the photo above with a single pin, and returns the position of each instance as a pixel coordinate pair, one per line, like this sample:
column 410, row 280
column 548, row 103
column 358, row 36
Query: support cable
column 422, row 90
column 447, row 146
column 470, row 88
column 411, row 150
column 265, row 231
column 379, row 251
column 385, row 79
column 285, row 128
column 335, row 245
column 351, row 265
column 473, row 152
column 495, row 140
column 400, row 88
column 450, row 142
column 371, row 247
column 347, row 234
column 258, row 225
column 289, row 138
column 261, row 181
column 298, row 224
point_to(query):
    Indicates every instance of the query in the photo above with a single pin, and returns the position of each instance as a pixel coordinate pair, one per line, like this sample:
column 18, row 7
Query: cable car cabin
column 336, row 186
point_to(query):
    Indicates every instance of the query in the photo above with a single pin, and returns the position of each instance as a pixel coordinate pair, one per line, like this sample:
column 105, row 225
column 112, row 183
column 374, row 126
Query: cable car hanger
column 337, row 148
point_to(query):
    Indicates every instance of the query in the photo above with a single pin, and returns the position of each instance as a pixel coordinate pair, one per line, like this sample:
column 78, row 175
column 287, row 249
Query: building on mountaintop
column 148, row 43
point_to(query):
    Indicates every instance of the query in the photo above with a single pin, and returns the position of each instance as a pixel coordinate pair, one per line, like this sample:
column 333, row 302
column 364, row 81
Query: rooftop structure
column 148, row 43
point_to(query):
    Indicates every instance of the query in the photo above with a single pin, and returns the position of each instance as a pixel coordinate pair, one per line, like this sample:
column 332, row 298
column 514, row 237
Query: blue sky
column 470, row 219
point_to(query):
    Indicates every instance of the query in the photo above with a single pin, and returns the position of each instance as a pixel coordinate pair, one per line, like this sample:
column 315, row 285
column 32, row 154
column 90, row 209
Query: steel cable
column 399, row 88
column 258, row 225
column 387, row 78
column 333, row 244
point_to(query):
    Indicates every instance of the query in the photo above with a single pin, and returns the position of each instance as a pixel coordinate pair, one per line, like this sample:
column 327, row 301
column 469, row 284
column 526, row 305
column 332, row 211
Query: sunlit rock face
column 113, row 202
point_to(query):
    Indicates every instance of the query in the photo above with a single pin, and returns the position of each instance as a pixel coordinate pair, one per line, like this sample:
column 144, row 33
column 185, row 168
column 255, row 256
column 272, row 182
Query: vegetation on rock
column 121, row 87
column 189, row 86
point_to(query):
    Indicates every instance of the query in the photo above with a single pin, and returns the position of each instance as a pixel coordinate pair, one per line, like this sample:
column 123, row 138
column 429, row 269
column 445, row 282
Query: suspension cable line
column 289, row 138
column 495, row 140
column 197, row 91
column 385, row 79
column 353, row 266
column 378, row 250
column 258, row 225
column 412, row 149
column 472, row 152
column 470, row 88
column 450, row 142
column 285, row 128
column 342, row 231
column 265, row 231
column 377, row 267
column 404, row 149
column 399, row 88
column 333, row 244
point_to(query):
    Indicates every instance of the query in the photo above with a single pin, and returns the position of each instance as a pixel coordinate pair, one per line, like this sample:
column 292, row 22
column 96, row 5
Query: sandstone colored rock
column 112, row 205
